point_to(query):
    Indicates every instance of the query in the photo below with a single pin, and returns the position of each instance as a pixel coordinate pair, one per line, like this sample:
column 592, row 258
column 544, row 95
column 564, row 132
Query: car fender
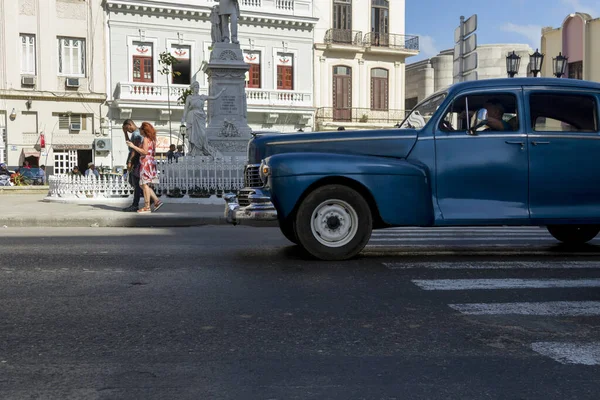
column 399, row 189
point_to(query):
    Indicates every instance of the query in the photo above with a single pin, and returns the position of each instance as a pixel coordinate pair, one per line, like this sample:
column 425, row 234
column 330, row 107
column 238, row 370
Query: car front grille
column 242, row 197
column 252, row 176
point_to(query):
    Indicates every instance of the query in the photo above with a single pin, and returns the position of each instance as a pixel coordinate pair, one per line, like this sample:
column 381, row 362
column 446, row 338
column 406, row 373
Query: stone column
column 227, row 130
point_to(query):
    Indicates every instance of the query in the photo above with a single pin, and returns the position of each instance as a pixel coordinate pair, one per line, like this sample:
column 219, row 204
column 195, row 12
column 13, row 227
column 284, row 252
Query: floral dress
column 148, row 173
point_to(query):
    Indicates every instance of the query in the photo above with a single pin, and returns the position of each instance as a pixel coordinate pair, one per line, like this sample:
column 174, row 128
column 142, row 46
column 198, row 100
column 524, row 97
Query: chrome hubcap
column 334, row 223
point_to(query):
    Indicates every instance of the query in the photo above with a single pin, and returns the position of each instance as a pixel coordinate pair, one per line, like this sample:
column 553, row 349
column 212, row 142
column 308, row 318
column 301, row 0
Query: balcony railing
column 359, row 115
column 392, row 41
column 343, row 36
column 139, row 91
column 288, row 98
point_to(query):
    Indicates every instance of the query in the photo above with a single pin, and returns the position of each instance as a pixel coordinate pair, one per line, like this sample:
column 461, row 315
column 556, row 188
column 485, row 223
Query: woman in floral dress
column 148, row 173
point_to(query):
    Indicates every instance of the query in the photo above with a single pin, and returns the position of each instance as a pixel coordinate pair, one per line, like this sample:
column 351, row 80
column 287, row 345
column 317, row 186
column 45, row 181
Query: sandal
column 145, row 209
column 157, row 205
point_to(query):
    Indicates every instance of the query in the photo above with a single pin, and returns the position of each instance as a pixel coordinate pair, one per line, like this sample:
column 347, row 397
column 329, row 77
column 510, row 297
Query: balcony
column 357, row 118
column 278, row 98
column 343, row 37
column 376, row 40
column 150, row 92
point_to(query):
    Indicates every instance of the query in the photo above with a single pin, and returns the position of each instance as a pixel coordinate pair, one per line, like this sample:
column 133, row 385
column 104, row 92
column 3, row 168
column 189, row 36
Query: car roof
column 548, row 82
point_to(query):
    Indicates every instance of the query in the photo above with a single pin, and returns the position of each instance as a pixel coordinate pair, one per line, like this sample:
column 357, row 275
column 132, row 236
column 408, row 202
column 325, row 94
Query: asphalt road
column 240, row 313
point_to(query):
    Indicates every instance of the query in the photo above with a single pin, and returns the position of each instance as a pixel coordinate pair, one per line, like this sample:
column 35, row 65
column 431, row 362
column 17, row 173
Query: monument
column 227, row 131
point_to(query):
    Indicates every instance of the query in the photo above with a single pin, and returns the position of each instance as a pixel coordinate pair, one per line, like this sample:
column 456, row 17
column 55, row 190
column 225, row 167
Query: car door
column 482, row 177
column 564, row 150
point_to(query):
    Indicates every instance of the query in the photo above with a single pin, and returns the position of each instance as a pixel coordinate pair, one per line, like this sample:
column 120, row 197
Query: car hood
column 395, row 143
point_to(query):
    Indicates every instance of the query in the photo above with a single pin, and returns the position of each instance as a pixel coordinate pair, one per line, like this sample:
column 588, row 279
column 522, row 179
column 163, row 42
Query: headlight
column 264, row 171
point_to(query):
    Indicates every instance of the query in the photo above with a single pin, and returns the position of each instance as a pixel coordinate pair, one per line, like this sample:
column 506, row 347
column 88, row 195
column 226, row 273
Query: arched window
column 380, row 22
column 379, row 89
column 342, row 93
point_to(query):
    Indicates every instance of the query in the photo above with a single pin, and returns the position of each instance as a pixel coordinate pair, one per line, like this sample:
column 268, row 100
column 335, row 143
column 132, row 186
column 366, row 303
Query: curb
column 137, row 221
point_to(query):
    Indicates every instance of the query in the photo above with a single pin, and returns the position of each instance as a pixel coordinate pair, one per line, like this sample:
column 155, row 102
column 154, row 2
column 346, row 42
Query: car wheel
column 573, row 234
column 334, row 222
column 287, row 228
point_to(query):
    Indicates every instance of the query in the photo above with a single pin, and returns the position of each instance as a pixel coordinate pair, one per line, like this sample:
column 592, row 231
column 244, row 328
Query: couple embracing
column 141, row 164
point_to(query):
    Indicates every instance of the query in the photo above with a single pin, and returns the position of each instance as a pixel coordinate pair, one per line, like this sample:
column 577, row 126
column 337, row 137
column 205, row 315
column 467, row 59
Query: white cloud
column 576, row 6
column 533, row 33
column 427, row 46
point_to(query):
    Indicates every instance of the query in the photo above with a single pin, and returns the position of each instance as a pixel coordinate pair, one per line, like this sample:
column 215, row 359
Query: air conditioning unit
column 72, row 82
column 75, row 126
column 102, row 144
column 28, row 80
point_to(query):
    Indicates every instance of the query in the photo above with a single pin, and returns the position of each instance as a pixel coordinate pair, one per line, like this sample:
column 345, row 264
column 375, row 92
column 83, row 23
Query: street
column 222, row 312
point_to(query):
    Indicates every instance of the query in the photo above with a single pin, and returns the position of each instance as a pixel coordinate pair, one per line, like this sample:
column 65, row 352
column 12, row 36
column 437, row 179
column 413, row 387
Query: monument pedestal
column 227, row 130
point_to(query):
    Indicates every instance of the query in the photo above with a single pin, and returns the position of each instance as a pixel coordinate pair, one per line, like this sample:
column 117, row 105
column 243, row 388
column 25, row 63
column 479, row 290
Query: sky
column 499, row 21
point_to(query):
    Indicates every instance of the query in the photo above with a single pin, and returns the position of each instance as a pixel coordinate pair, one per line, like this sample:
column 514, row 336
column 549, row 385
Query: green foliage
column 184, row 96
column 166, row 60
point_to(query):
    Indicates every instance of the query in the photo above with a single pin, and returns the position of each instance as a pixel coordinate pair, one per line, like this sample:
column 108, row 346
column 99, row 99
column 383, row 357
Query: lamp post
column 182, row 132
column 536, row 60
column 559, row 65
column 512, row 64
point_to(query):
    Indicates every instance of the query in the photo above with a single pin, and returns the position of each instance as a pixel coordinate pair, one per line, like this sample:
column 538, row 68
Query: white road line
column 511, row 238
column 549, row 308
column 496, row 265
column 491, row 284
column 570, row 353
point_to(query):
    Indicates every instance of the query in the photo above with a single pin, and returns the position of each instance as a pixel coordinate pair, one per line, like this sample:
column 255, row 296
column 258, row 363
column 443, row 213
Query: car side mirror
column 481, row 119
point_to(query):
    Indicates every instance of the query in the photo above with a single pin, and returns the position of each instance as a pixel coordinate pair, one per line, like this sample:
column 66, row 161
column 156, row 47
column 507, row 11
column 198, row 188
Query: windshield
column 423, row 112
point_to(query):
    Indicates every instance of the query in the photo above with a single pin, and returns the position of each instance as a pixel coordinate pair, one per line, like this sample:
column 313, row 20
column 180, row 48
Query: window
column 285, row 72
column 380, row 22
column 64, row 161
column 27, row 54
column 70, row 122
column 576, row 70
column 342, row 14
column 143, row 62
column 342, row 93
column 379, row 89
column 555, row 112
column 71, row 57
column 501, row 109
column 253, row 58
column 182, row 69
column 423, row 112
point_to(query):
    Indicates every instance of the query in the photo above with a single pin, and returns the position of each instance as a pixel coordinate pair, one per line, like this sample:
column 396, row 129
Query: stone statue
column 215, row 20
column 194, row 119
column 229, row 9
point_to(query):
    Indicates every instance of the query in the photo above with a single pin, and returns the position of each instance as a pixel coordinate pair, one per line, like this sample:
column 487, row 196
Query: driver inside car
column 495, row 112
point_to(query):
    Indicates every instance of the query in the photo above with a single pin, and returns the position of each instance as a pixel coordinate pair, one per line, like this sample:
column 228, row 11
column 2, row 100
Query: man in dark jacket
column 133, row 162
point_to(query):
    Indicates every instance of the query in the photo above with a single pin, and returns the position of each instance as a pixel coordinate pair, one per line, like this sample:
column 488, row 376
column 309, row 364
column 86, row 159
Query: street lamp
column 512, row 64
column 182, row 132
column 559, row 64
column 535, row 62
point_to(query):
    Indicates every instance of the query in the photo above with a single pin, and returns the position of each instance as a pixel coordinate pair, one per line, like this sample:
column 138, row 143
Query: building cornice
column 52, row 96
column 203, row 13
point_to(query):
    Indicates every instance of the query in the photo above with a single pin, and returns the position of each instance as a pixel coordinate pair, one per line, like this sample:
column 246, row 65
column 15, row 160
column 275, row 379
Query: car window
column 501, row 108
column 557, row 112
column 423, row 112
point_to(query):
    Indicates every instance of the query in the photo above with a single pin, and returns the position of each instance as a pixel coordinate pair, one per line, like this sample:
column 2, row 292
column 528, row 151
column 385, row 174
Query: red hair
column 148, row 130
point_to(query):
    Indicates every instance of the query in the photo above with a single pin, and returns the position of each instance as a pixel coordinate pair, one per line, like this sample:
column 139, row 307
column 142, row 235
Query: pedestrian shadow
column 106, row 207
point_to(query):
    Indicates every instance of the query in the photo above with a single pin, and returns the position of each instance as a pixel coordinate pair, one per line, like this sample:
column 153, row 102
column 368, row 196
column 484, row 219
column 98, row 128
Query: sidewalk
column 29, row 210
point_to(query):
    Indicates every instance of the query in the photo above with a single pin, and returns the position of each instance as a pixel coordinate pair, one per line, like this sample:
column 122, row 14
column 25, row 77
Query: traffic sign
column 471, row 76
column 470, row 25
column 470, row 63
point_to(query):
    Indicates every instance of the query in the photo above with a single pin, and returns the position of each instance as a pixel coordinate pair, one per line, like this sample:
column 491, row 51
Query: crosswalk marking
column 490, row 284
column 495, row 265
column 548, row 308
column 570, row 353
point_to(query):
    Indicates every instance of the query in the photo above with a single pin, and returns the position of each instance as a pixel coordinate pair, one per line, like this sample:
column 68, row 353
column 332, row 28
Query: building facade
column 276, row 37
column 577, row 39
column 52, row 82
column 360, row 53
column 426, row 77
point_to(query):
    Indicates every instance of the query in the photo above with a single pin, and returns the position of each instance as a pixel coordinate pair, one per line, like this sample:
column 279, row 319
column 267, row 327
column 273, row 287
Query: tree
column 166, row 61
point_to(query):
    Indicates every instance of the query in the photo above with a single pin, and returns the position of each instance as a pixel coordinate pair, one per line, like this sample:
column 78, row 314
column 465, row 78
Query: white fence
column 189, row 178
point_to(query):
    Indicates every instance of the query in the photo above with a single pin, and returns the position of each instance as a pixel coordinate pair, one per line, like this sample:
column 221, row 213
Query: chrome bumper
column 259, row 209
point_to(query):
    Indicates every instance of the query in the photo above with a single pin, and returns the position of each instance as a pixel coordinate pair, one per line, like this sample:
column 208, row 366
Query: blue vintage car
column 520, row 151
